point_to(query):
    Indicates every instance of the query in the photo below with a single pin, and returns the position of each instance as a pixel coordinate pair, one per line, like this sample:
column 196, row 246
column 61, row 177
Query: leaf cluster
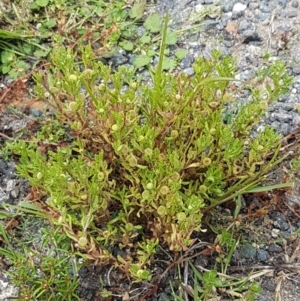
column 133, row 164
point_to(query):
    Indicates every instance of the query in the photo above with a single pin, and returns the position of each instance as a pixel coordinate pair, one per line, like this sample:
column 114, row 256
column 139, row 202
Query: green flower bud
column 174, row 134
column 132, row 161
column 175, row 176
column 161, row 210
column 203, row 188
column 101, row 87
column 148, row 152
column 101, row 176
column 164, row 190
column 206, row 161
column 263, row 104
column 146, row 194
column 133, row 85
column 114, row 127
column 72, row 77
column 82, row 242
column 149, row 186
column 214, row 104
column 88, row 73
column 212, row 131
column 72, row 106
column 181, row 216
column 39, row 175
column 236, row 170
column 129, row 226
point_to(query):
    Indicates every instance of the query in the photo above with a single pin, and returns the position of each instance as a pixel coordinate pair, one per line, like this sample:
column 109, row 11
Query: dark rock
column 262, row 255
column 273, row 247
column 289, row 14
column 36, row 113
column 295, row 4
column 227, row 6
column 187, row 61
column 248, row 251
column 3, row 197
column 264, row 7
column 296, row 69
column 251, row 37
column 244, row 25
column 189, row 71
column 209, row 24
column 262, row 16
column 119, row 59
column 269, row 285
column 276, row 215
column 282, row 3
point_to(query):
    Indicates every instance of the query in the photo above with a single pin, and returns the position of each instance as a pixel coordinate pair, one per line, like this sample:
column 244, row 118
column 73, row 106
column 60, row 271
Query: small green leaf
column 171, row 38
column 5, row 69
column 30, row 206
column 13, row 74
column 153, row 23
column 169, row 64
column 22, row 66
column 145, row 39
column 7, row 57
column 141, row 61
column 41, row 53
column 181, row 54
column 137, row 10
column 126, row 45
column 50, row 23
column 42, row 3
column 27, row 48
column 151, row 53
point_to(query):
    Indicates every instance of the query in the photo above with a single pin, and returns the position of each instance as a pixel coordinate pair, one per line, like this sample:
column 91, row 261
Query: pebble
column 262, row 255
column 187, row 62
column 36, row 113
column 275, row 248
column 282, row 3
column 269, row 285
column 3, row 197
column 295, row 4
column 238, row 7
column 10, row 185
column 248, row 251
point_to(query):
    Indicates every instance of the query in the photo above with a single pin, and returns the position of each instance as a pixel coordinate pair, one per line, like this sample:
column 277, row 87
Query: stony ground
column 256, row 32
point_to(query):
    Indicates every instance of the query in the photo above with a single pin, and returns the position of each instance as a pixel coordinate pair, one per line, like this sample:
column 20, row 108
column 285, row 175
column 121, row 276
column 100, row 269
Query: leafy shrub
column 129, row 165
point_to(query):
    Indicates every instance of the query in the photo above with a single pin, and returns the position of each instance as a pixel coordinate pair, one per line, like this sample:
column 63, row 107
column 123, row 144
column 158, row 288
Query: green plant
column 47, row 274
column 98, row 23
column 15, row 48
column 13, row 66
column 210, row 284
column 136, row 164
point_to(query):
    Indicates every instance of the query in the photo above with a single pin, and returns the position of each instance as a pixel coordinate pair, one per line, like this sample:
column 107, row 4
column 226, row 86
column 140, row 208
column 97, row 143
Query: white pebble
column 239, row 7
